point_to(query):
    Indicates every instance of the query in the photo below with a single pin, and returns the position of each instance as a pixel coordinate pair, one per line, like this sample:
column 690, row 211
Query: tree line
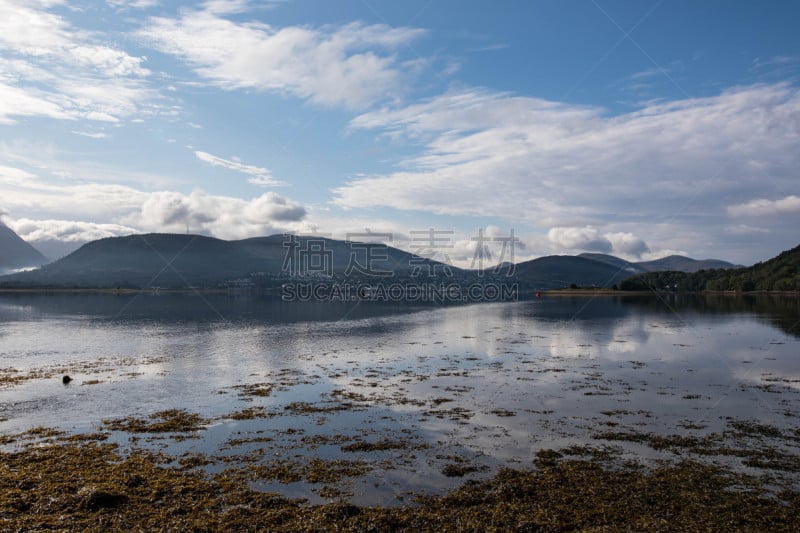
column 781, row 273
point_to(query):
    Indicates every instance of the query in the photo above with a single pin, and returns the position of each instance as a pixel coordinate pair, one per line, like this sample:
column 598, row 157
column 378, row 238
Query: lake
column 410, row 399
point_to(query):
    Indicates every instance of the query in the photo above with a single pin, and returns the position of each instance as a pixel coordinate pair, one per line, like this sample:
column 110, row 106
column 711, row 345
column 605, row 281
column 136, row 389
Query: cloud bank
column 132, row 210
column 763, row 207
column 50, row 69
column 221, row 216
column 350, row 65
column 592, row 181
column 66, row 230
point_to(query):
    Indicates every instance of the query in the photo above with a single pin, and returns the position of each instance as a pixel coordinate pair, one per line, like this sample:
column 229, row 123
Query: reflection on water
column 488, row 383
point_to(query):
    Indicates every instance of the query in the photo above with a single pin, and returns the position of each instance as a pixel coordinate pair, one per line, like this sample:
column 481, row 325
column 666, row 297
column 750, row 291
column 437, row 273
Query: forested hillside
column 781, row 273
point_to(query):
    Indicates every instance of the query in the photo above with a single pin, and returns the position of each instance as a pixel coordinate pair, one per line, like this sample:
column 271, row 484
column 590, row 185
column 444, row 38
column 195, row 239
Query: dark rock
column 93, row 498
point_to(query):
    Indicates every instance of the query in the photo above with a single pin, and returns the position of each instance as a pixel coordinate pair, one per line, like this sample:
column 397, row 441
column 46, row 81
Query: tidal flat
column 208, row 412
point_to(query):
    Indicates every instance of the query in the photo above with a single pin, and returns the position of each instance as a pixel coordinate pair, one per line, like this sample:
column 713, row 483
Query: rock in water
column 66, row 379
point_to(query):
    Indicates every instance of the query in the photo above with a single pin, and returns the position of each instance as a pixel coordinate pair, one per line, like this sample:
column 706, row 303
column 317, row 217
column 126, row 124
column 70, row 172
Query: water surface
column 485, row 385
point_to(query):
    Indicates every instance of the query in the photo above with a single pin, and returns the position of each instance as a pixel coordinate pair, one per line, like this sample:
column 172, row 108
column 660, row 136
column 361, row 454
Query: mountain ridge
column 175, row 260
column 682, row 263
column 160, row 260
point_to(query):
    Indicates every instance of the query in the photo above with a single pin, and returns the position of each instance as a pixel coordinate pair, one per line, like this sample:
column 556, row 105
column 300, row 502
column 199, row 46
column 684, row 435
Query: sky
column 637, row 128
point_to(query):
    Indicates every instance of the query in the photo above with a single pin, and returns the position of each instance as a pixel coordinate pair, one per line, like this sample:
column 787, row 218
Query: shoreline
column 277, row 290
column 100, row 290
column 612, row 292
column 82, row 482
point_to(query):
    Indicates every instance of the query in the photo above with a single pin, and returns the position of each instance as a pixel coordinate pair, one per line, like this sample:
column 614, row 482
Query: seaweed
column 168, row 421
column 91, row 486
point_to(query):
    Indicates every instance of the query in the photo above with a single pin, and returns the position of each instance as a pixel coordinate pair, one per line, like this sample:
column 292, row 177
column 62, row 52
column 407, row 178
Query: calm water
column 486, row 384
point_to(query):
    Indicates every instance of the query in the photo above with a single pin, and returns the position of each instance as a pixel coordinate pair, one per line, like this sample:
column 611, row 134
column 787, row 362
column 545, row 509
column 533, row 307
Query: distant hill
column 631, row 268
column 681, row 263
column 179, row 261
column 558, row 271
column 781, row 273
column 598, row 270
column 678, row 263
column 15, row 253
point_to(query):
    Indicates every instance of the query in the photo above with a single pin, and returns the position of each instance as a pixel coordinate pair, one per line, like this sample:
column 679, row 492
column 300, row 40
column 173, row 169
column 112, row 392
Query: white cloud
column 68, row 210
column 587, row 238
column 17, row 102
column 225, row 7
column 52, row 165
column 91, row 134
column 51, row 69
column 29, row 29
column 745, row 229
column 549, row 164
column 260, row 176
column 265, row 181
column 23, row 191
column 14, row 176
column 627, row 244
column 763, row 207
column 650, row 72
column 36, row 33
column 271, row 207
column 652, row 256
column 590, row 239
column 109, row 61
column 351, row 65
column 65, row 230
column 170, row 209
column 221, row 216
column 135, row 4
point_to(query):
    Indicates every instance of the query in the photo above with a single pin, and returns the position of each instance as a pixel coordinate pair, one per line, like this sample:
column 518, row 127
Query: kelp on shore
column 87, row 484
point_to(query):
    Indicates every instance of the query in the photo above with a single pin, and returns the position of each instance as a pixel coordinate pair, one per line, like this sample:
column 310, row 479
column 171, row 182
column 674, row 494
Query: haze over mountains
column 180, row 261
column 15, row 253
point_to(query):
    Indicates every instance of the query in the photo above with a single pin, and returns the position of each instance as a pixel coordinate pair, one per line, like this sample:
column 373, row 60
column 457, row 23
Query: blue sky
column 638, row 128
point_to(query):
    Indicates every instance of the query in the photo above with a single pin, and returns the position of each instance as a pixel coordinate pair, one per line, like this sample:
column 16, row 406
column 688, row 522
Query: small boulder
column 96, row 498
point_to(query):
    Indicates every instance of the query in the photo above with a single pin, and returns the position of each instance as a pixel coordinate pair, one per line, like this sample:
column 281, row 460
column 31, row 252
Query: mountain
column 15, row 253
column 616, row 262
column 558, row 271
column 678, row 263
column 179, row 261
column 684, row 264
column 599, row 270
column 781, row 273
